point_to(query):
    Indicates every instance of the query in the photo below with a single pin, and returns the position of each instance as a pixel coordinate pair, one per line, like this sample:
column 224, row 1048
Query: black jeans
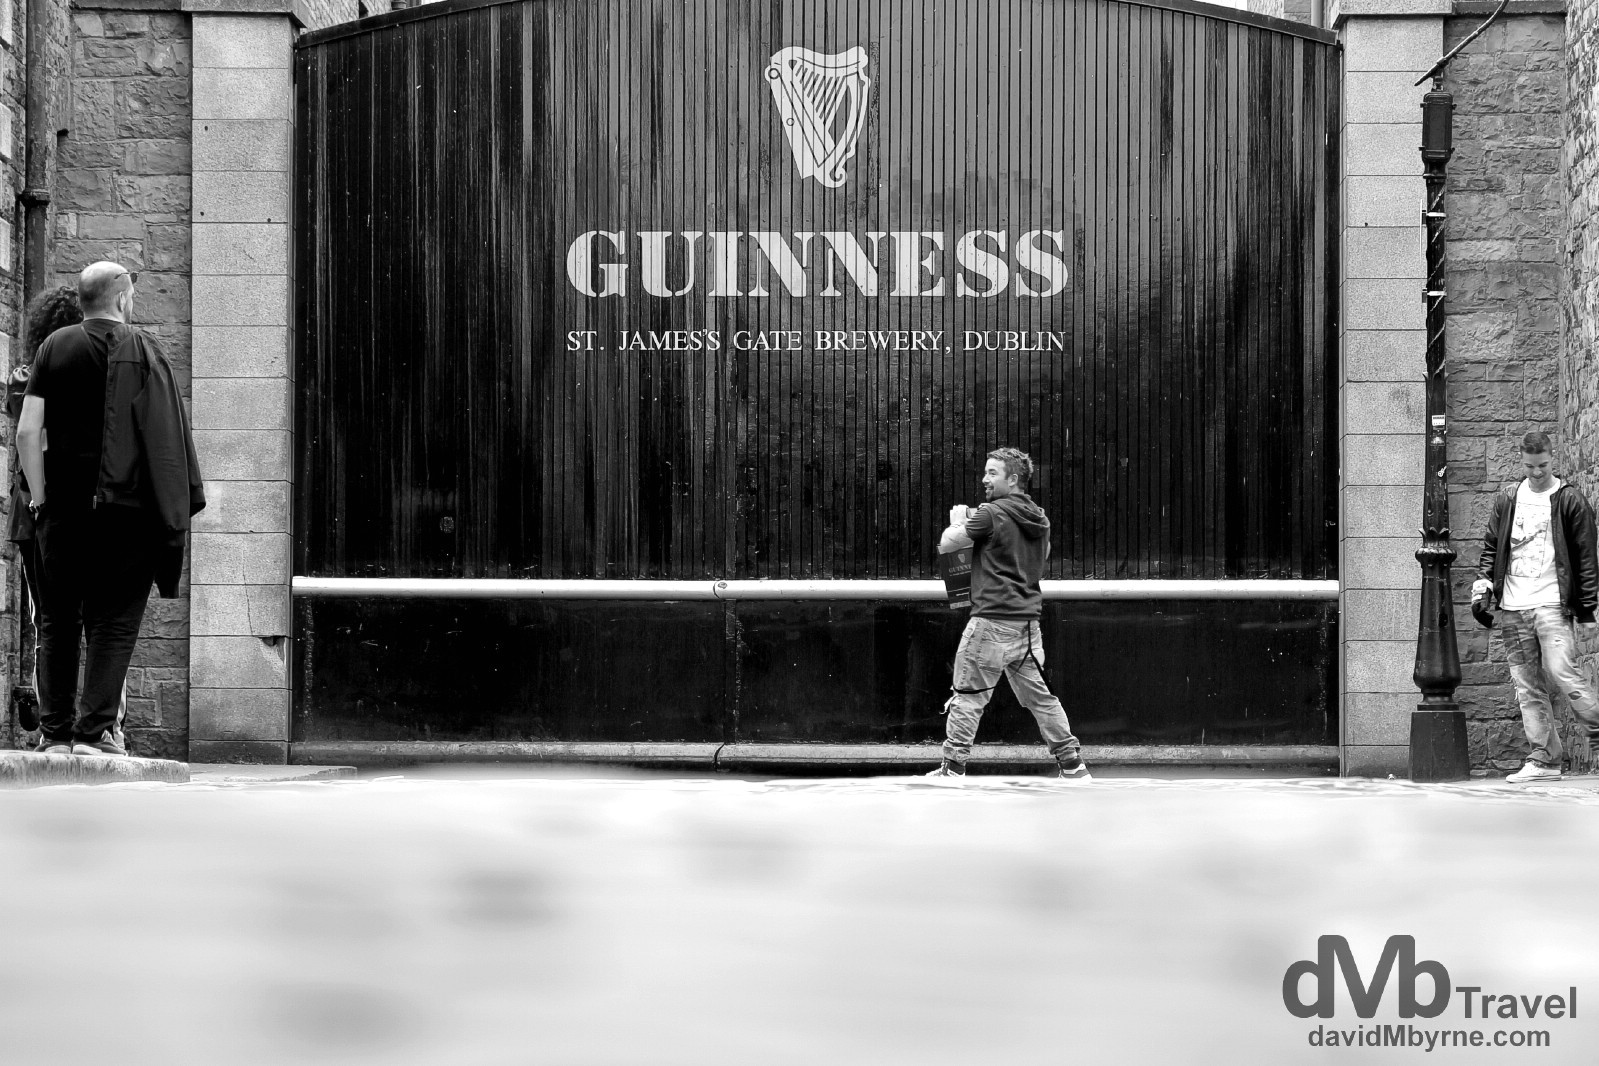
column 95, row 570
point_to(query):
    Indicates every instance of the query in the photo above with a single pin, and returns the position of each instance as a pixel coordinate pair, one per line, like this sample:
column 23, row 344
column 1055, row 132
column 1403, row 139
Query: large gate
column 598, row 296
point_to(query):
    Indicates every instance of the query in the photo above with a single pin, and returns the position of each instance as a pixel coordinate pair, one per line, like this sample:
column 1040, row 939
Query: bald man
column 96, row 562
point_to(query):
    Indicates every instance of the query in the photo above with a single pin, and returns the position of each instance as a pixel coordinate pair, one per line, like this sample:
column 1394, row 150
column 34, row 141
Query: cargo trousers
column 988, row 649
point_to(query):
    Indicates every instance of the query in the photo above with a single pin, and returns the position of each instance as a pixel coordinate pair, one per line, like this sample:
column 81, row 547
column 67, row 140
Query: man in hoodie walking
column 1010, row 543
column 1540, row 561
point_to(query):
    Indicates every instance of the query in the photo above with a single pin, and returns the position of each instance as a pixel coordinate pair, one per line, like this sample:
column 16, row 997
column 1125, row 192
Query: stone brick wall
column 1506, row 225
column 13, row 86
column 1579, row 359
column 13, row 69
column 123, row 193
column 13, row 332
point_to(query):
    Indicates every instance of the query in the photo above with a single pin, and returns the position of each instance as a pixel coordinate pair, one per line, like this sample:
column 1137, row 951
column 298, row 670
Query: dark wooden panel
column 521, row 670
column 1134, row 673
column 449, row 161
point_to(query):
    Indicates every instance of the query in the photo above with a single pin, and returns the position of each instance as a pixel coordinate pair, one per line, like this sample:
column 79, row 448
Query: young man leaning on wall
column 1539, row 563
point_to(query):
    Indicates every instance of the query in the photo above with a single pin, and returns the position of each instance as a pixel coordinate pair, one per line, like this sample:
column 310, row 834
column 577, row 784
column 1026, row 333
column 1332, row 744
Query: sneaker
column 1534, row 772
column 1077, row 772
column 106, row 745
column 46, row 746
column 947, row 769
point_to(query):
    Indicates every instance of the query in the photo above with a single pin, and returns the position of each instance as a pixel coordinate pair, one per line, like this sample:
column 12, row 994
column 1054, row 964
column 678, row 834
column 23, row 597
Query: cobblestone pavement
column 652, row 920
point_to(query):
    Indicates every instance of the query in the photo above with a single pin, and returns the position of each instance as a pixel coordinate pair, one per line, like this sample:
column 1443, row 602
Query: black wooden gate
column 630, row 289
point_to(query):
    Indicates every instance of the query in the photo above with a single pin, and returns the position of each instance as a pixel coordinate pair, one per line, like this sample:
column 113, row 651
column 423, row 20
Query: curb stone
column 28, row 769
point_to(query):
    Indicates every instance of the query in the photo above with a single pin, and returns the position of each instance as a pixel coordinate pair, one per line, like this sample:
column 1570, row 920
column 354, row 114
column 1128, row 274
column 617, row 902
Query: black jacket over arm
column 1571, row 527
column 147, row 456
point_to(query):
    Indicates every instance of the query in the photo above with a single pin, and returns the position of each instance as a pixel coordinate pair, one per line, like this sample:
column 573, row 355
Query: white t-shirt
column 1530, row 579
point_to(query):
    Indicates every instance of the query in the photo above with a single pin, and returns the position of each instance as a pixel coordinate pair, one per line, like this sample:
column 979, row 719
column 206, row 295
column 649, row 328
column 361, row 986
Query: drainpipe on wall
column 39, row 177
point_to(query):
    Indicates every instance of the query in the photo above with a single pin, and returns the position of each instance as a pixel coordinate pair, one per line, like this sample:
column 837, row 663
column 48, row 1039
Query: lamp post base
column 1438, row 743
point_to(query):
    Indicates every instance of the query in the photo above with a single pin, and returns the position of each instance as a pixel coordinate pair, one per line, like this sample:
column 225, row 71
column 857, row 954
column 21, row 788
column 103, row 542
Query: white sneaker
column 1076, row 773
column 1533, row 772
column 948, row 769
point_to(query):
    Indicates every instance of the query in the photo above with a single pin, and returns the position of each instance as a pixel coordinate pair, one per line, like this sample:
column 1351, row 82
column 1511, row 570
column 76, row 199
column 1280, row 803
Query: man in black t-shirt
column 96, row 562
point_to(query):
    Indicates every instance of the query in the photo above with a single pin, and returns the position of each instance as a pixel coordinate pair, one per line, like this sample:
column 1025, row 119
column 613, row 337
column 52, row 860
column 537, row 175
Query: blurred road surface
column 612, row 920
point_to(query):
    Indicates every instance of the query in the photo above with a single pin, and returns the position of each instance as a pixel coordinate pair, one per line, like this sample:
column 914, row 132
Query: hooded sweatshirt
column 1010, row 539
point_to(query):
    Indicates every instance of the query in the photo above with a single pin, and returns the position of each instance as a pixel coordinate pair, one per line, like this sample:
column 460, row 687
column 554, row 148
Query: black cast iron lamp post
column 1437, row 726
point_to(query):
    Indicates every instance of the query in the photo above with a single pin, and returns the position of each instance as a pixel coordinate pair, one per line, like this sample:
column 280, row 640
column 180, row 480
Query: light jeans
column 1541, row 644
column 988, row 649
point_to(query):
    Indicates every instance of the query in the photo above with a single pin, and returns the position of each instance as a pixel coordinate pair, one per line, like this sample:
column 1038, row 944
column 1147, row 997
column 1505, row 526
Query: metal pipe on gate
column 446, row 588
column 662, row 591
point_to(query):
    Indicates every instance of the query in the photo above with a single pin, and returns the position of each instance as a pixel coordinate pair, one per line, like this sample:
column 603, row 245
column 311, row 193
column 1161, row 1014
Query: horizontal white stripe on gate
column 514, row 589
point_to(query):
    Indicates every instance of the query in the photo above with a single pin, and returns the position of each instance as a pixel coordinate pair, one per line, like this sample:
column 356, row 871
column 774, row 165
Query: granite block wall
column 241, row 622
column 1382, row 393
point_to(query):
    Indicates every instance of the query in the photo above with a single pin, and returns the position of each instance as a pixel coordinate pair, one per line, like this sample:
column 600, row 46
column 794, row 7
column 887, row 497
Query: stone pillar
column 243, row 380
column 1388, row 44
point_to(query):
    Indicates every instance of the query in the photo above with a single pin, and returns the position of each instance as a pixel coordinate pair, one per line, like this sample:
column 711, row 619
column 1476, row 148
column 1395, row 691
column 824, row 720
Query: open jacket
column 147, row 457
column 1571, row 527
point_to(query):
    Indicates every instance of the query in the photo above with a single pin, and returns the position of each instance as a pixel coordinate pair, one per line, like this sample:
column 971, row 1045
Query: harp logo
column 822, row 101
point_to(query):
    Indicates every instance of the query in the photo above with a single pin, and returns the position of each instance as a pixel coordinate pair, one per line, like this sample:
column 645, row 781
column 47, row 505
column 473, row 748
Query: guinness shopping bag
column 956, row 569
